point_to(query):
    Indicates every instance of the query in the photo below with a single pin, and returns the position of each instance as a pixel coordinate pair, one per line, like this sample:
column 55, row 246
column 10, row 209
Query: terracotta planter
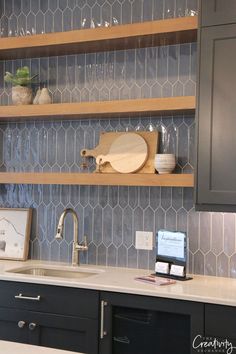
column 21, row 95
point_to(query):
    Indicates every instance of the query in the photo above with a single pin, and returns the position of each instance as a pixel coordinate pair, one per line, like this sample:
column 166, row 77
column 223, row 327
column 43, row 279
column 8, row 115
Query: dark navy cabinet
column 49, row 330
column 140, row 324
column 220, row 323
column 50, row 316
column 95, row 322
column 218, row 12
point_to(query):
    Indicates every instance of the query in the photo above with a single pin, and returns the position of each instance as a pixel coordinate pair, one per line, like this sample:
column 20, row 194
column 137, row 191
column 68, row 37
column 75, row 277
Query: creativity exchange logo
column 212, row 345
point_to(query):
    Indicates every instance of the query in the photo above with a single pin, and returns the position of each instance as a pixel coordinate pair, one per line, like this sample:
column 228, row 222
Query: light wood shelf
column 112, row 179
column 121, row 108
column 151, row 33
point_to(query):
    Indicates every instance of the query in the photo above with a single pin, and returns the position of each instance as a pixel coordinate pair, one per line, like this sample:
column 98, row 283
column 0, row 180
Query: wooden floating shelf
column 113, row 179
column 137, row 35
column 121, row 108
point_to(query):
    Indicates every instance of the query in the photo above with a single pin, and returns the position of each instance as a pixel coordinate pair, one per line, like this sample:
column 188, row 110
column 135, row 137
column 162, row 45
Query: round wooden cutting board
column 127, row 153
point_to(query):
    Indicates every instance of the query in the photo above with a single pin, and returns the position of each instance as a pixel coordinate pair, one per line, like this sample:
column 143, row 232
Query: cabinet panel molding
column 216, row 143
column 218, row 12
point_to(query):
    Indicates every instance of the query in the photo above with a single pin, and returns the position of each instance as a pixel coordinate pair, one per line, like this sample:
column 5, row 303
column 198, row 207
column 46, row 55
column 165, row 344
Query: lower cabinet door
column 220, row 324
column 133, row 324
column 68, row 333
column 49, row 330
column 216, row 143
column 13, row 326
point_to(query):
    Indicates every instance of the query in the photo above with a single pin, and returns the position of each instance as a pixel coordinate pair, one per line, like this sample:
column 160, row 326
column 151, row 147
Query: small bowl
column 164, row 163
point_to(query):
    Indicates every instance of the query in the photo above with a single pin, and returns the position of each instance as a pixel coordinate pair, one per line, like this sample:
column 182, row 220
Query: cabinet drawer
column 54, row 299
column 220, row 321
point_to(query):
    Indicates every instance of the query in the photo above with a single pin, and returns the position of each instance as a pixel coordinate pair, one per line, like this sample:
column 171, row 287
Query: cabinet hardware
column 32, row 326
column 102, row 332
column 123, row 340
column 22, row 297
column 21, row 324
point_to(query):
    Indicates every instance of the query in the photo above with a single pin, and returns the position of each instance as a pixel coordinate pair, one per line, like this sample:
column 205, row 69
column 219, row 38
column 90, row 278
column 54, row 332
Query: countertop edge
column 201, row 289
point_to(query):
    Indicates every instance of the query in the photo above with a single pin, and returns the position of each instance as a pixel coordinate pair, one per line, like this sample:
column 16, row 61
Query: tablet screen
column 171, row 245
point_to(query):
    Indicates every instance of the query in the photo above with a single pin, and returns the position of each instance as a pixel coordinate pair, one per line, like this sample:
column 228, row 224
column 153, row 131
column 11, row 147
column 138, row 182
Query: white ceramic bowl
column 164, row 163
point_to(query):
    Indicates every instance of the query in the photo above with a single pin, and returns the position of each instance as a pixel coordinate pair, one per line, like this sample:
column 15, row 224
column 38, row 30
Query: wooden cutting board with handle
column 127, row 153
column 107, row 138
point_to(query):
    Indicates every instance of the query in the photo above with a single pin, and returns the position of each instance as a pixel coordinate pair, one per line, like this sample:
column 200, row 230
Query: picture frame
column 15, row 226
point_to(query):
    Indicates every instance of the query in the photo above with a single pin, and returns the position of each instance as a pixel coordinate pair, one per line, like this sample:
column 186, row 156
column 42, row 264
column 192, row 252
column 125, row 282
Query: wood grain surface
column 146, row 34
column 98, row 179
column 105, row 141
column 127, row 153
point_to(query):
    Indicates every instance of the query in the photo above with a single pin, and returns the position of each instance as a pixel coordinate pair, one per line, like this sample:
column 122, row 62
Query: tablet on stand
column 171, row 258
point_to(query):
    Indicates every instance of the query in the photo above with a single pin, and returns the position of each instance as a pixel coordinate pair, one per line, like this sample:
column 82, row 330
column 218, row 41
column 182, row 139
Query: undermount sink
column 55, row 272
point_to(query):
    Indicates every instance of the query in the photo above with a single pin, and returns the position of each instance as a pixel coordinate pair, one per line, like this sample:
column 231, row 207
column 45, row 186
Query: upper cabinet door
column 216, row 161
column 218, row 12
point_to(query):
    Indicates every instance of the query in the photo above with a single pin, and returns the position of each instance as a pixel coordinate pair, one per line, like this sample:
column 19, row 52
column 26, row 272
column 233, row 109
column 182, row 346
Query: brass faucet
column 77, row 247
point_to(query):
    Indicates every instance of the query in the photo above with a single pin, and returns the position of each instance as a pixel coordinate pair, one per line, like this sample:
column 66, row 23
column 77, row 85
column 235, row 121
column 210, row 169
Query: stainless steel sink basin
column 55, row 272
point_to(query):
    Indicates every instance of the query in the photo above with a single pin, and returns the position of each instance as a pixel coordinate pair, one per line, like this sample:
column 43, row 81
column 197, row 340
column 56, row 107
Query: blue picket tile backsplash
column 22, row 17
column 109, row 216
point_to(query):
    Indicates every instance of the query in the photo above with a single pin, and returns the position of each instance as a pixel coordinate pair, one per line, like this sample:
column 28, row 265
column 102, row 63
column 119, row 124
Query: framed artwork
column 15, row 225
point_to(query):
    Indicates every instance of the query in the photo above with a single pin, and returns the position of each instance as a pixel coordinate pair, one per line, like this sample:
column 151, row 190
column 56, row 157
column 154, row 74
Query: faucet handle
column 83, row 245
column 84, row 242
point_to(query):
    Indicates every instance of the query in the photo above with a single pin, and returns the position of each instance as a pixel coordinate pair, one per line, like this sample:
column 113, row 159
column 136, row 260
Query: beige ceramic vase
column 21, row 95
column 44, row 97
column 36, row 99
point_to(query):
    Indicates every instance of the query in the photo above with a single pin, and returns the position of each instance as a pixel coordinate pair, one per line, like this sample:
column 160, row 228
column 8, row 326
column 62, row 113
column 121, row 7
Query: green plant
column 22, row 77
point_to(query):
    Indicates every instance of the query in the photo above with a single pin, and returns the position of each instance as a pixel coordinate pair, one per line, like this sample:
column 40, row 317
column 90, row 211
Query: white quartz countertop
column 207, row 289
column 18, row 348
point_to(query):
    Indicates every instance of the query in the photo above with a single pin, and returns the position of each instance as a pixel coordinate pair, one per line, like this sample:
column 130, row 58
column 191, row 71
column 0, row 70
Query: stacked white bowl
column 165, row 163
